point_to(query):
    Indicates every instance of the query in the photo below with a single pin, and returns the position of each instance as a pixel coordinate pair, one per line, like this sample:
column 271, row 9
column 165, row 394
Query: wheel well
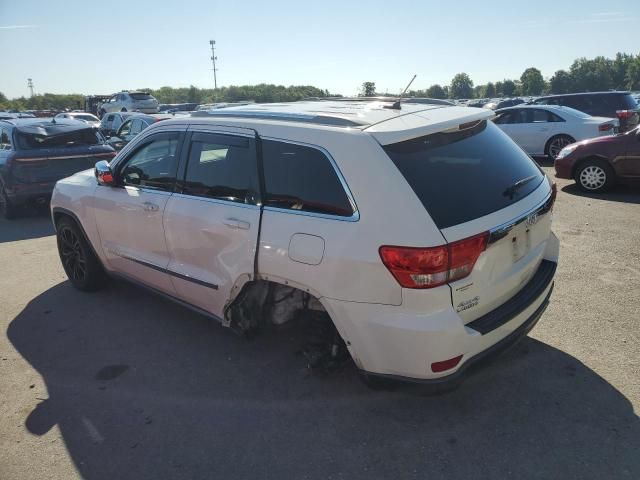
column 580, row 162
column 546, row 147
column 263, row 302
column 59, row 214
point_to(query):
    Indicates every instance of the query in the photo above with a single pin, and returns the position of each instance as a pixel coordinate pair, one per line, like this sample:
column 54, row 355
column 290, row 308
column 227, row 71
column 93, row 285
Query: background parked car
column 111, row 122
column 598, row 163
column 504, row 103
column 620, row 105
column 132, row 126
column 547, row 129
column 82, row 116
column 35, row 153
column 129, row 102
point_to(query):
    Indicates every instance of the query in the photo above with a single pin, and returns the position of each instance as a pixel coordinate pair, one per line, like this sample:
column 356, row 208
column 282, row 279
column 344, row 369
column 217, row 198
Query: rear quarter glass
column 464, row 175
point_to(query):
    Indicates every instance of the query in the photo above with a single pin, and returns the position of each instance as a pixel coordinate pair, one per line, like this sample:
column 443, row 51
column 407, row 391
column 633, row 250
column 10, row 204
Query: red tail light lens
column 625, row 114
column 433, row 266
column 605, row 127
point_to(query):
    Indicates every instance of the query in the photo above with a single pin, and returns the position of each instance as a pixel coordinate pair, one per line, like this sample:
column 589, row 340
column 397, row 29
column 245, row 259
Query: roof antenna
column 396, row 104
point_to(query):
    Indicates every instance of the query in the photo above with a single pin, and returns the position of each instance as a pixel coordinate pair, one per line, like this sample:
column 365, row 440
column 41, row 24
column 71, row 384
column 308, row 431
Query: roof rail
column 287, row 117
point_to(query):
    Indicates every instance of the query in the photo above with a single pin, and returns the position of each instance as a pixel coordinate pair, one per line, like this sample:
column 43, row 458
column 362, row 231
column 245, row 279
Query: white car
column 126, row 101
column 547, row 129
column 81, row 116
column 421, row 232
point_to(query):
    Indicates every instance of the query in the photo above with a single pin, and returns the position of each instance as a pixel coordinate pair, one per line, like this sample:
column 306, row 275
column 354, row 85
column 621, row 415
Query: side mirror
column 103, row 172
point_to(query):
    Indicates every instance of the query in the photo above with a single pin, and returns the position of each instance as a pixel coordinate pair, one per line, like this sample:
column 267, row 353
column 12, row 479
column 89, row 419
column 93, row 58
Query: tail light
column 625, row 114
column 433, row 266
column 605, row 127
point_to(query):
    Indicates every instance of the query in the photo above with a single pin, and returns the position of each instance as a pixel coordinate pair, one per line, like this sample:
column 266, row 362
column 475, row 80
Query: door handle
column 235, row 223
column 150, row 207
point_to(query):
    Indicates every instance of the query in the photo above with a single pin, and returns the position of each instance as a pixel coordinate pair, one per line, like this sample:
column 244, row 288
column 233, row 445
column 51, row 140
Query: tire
column 7, row 210
column 557, row 143
column 78, row 260
column 595, row 176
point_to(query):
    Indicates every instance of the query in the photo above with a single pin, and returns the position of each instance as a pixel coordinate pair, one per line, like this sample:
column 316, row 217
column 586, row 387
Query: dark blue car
column 37, row 152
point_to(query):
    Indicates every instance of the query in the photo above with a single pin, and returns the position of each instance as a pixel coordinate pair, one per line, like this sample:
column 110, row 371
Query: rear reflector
column 444, row 365
column 433, row 266
column 605, row 127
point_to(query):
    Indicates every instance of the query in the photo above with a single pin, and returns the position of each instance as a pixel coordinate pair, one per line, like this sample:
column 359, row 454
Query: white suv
column 129, row 102
column 422, row 232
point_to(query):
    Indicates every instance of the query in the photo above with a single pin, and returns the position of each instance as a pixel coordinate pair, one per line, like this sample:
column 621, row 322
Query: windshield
column 464, row 175
column 87, row 136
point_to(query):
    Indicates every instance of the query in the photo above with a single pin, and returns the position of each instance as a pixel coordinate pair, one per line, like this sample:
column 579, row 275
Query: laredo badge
column 467, row 304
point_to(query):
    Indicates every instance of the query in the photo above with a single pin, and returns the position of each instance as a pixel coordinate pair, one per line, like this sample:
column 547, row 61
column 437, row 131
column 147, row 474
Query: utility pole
column 30, row 85
column 213, row 61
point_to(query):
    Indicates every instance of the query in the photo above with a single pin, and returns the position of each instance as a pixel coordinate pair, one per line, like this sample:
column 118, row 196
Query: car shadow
column 143, row 388
column 619, row 193
column 32, row 223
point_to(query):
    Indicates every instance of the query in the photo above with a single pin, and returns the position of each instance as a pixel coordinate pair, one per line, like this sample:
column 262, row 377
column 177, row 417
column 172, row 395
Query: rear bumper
column 455, row 378
column 26, row 193
column 402, row 342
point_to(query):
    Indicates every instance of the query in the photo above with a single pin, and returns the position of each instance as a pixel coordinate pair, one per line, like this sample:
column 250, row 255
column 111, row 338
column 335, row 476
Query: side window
column 137, row 126
column 539, row 116
column 5, row 141
column 125, row 129
column 302, row 178
column 517, row 116
column 555, row 118
column 222, row 167
column 109, row 118
column 154, row 164
column 502, row 118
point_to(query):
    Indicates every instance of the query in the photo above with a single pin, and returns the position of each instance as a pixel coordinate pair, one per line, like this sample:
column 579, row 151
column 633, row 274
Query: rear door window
column 222, row 167
column 465, row 175
column 302, row 178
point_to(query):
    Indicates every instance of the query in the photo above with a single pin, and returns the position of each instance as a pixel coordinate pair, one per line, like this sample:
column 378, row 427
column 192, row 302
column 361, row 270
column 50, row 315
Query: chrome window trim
column 502, row 230
column 216, row 200
column 355, row 216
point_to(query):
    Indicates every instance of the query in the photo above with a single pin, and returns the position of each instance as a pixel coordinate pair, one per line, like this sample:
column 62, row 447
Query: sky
column 101, row 47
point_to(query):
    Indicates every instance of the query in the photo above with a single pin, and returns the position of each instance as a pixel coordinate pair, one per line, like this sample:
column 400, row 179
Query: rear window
column 30, row 141
column 630, row 102
column 140, row 96
column 466, row 174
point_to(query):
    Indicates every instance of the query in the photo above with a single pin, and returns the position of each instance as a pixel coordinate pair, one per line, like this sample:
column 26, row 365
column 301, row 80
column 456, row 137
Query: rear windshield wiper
column 511, row 190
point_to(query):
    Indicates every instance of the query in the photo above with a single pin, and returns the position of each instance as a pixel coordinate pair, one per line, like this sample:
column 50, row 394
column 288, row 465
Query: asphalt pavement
column 121, row 384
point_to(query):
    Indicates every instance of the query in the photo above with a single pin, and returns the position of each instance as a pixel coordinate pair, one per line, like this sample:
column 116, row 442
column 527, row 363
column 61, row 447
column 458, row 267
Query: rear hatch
column 143, row 100
column 476, row 182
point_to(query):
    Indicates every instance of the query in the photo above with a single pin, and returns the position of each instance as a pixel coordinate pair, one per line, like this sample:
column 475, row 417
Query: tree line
column 584, row 75
column 259, row 93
